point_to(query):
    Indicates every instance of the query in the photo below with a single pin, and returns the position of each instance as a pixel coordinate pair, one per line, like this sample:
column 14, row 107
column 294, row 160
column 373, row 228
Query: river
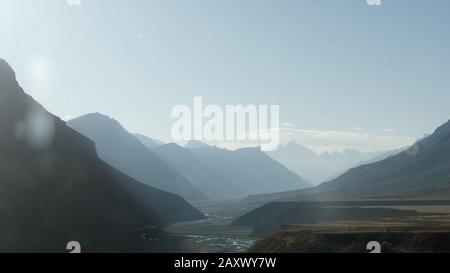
column 215, row 234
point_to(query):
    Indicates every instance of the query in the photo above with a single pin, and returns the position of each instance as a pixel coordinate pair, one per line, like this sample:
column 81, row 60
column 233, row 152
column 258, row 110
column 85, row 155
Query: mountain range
column 417, row 176
column 54, row 188
column 422, row 170
column 250, row 170
column 222, row 173
column 419, row 171
column 122, row 150
column 195, row 171
column 318, row 168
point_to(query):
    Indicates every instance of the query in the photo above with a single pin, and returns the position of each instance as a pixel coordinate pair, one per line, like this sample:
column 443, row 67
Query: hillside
column 117, row 147
column 54, row 189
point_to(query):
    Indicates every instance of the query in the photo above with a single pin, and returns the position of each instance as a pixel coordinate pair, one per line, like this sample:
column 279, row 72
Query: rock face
column 54, row 189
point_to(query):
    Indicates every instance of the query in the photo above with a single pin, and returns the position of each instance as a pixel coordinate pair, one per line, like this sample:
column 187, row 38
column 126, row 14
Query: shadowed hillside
column 269, row 218
column 54, row 189
column 116, row 146
column 421, row 171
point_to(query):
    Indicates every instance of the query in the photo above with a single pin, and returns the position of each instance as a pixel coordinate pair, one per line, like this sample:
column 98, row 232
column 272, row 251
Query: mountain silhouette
column 212, row 182
column 54, row 189
column 117, row 147
column 422, row 170
column 318, row 168
column 249, row 171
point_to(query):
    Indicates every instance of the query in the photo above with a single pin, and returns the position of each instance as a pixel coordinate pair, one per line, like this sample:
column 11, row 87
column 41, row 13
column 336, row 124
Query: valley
column 197, row 198
column 398, row 225
column 215, row 234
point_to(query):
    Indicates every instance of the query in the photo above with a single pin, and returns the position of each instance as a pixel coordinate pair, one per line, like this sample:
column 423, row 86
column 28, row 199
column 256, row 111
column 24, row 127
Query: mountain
column 54, row 189
column 194, row 173
column 317, row 168
column 420, row 171
column 423, row 170
column 195, row 144
column 148, row 142
column 198, row 172
column 248, row 171
column 224, row 174
column 381, row 156
column 117, row 147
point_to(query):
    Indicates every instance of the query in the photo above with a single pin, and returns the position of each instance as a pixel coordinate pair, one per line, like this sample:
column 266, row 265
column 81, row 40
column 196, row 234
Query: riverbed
column 215, row 234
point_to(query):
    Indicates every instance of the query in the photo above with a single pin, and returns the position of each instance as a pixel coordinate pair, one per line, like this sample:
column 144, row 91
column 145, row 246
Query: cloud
column 329, row 141
column 356, row 128
column 287, row 124
column 323, row 140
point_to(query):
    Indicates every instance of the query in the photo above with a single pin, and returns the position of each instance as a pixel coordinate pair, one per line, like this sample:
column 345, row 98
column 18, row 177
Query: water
column 215, row 234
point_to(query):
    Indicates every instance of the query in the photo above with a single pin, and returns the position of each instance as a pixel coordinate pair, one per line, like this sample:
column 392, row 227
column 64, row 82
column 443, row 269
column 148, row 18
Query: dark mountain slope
column 125, row 152
column 54, row 189
column 423, row 170
column 270, row 217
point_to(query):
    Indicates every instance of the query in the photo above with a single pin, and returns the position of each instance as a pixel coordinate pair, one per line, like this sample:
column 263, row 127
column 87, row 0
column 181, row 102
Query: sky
column 345, row 74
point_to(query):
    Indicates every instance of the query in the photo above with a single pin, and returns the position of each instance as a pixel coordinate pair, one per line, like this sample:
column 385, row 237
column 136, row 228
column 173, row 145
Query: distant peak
column 99, row 119
column 98, row 115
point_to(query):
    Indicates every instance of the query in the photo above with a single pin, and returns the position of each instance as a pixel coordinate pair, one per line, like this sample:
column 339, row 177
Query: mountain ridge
column 119, row 148
column 318, row 168
column 420, row 171
column 226, row 174
column 54, row 189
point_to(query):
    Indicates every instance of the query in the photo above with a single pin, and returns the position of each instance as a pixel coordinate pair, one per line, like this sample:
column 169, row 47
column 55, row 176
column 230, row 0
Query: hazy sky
column 345, row 74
